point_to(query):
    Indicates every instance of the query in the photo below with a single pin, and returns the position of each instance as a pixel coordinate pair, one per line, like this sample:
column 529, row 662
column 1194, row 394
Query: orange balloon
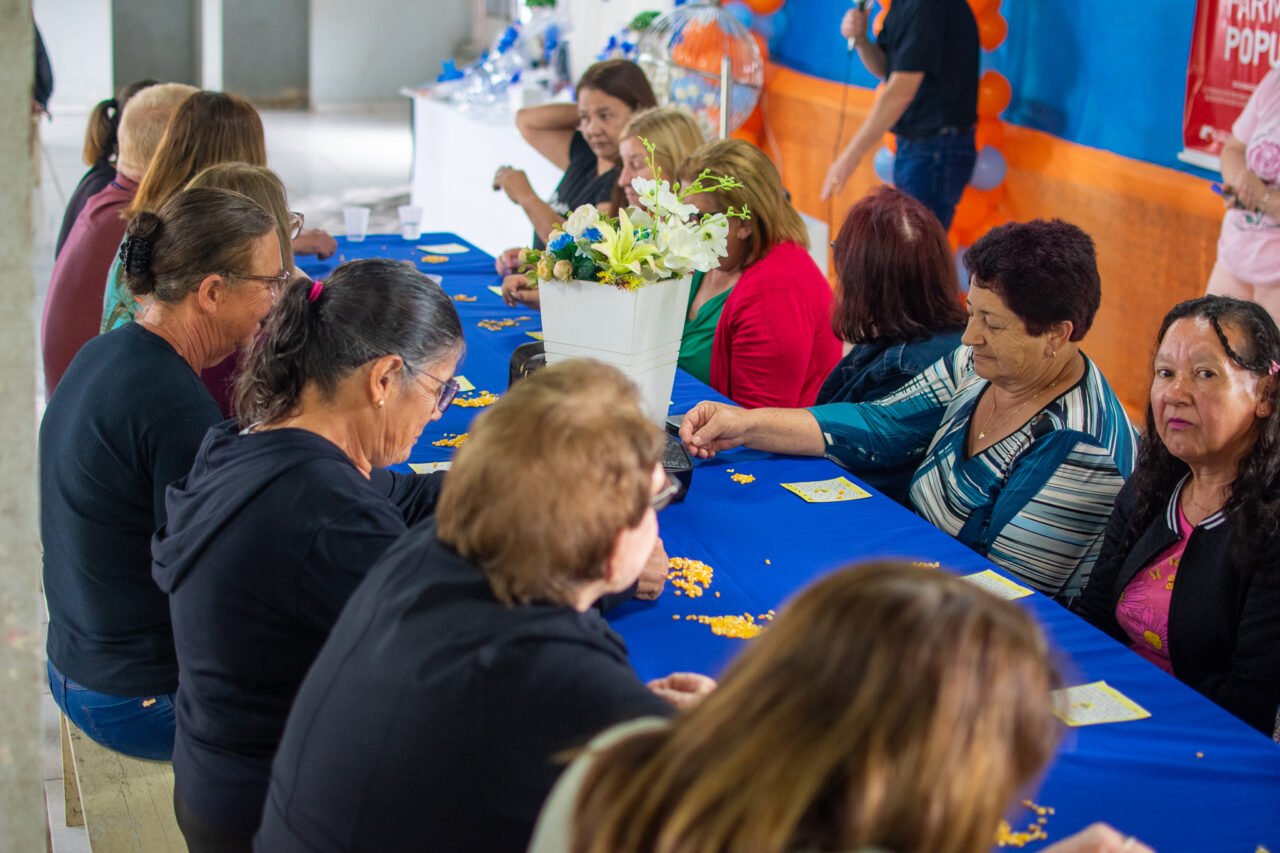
column 981, row 7
column 755, row 122
column 763, row 44
column 990, row 132
column 994, row 94
column 891, row 142
column 764, row 7
column 992, row 30
column 747, row 136
column 878, row 23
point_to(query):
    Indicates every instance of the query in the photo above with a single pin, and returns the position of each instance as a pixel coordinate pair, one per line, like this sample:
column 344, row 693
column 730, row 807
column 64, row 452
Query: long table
column 1190, row 778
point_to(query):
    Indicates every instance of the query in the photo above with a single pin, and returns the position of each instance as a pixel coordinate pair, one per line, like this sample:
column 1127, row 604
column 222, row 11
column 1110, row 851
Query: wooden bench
column 125, row 804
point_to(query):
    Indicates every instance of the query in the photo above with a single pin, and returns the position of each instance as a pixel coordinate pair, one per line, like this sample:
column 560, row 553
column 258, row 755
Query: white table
column 454, row 157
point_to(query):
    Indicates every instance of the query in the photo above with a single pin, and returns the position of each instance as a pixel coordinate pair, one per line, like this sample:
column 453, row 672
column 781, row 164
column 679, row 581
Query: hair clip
column 1273, row 369
column 135, row 255
column 315, row 291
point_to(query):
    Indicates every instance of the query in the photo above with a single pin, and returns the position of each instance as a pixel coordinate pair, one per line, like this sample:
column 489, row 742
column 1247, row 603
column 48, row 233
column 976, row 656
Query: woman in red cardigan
column 773, row 344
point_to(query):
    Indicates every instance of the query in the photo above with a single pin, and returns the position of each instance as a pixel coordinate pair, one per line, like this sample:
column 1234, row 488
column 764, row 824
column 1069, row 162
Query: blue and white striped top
column 1035, row 503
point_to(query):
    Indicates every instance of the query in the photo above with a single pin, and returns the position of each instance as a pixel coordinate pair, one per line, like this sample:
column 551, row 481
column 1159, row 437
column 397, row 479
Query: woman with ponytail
column 101, row 150
column 125, row 421
column 283, row 513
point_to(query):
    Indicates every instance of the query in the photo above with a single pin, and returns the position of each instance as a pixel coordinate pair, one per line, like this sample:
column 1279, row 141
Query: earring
column 381, row 403
column 1053, row 353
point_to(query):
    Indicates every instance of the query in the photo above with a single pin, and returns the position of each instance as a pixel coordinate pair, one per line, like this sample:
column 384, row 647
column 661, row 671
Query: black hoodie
column 265, row 540
column 437, row 718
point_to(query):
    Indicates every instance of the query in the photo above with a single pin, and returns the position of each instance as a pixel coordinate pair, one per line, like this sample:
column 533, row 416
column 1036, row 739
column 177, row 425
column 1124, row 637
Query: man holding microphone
column 927, row 53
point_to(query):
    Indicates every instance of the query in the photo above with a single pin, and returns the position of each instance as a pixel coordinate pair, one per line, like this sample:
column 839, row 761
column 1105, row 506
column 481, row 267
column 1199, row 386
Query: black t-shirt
column 435, row 716
column 939, row 38
column 125, row 421
column 265, row 540
column 580, row 184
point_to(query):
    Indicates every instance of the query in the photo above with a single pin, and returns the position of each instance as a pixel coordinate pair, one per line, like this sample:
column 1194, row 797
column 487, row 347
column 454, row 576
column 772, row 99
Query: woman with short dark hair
column 1189, row 574
column 284, row 512
column 1019, row 443
column 126, row 421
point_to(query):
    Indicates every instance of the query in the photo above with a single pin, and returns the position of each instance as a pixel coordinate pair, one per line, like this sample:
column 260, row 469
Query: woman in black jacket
column 1189, row 573
column 284, row 512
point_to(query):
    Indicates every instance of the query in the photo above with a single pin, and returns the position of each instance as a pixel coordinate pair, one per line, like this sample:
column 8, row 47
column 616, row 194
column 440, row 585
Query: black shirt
column 939, row 38
column 580, row 184
column 434, row 716
column 125, row 421
column 265, row 540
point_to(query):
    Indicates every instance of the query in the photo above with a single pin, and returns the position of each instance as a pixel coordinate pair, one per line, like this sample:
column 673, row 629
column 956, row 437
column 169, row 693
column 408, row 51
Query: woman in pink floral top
column 1189, row 571
column 1248, row 265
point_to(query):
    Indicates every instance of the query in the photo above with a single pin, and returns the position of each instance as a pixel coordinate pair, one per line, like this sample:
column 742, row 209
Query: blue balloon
column 741, row 11
column 780, row 23
column 883, row 163
column 962, row 271
column 989, row 170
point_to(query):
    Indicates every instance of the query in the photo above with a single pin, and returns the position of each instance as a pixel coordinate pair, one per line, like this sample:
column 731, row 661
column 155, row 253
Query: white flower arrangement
column 663, row 238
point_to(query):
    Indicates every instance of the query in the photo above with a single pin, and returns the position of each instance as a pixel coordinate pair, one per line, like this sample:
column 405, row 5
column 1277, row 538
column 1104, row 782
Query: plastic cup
column 410, row 221
column 357, row 222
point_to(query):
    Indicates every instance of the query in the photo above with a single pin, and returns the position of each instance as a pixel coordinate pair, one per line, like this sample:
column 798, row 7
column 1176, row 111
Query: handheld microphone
column 861, row 6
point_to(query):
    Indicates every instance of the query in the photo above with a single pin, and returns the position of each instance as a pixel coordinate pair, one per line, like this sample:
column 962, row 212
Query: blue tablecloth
column 1189, row 778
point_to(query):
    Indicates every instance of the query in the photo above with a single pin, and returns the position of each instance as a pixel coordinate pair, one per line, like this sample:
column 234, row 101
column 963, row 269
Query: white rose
column 582, row 219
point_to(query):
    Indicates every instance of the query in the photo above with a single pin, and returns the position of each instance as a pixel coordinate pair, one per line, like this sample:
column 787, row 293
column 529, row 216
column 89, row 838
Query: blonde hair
column 773, row 219
column 548, row 478
column 672, row 131
column 207, row 128
column 889, row 706
column 258, row 183
column 143, row 122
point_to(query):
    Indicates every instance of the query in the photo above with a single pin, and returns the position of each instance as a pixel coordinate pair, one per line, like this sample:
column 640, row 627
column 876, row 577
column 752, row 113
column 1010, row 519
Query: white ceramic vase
column 636, row 331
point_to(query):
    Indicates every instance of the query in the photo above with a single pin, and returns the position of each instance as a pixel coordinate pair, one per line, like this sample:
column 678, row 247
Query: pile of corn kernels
column 484, row 398
column 451, row 440
column 462, row 297
column 1006, row 837
column 495, row 325
column 743, row 627
column 690, row 576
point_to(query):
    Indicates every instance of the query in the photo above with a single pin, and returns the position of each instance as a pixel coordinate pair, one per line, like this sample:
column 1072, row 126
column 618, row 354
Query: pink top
column 73, row 306
column 1249, row 245
column 1143, row 609
column 774, row 345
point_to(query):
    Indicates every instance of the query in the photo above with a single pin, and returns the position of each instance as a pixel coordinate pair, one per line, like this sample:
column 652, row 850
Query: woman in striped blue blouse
column 1020, row 444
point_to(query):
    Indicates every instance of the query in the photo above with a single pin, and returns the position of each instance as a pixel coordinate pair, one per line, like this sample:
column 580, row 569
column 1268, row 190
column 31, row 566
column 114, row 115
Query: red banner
column 1234, row 45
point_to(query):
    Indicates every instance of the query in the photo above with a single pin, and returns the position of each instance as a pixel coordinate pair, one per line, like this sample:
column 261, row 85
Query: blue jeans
column 141, row 726
column 935, row 171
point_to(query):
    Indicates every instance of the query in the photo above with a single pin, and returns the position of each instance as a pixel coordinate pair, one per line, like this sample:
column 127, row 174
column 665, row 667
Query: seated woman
column 896, row 302
column 125, row 422
column 674, row 134
column 1020, row 445
column 284, row 512
column 101, row 149
column 471, row 656
column 759, row 327
column 1189, row 574
column 580, row 138
column 780, row 758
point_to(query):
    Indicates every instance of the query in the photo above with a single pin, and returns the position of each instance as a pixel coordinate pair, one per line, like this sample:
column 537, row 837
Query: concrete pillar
column 22, row 815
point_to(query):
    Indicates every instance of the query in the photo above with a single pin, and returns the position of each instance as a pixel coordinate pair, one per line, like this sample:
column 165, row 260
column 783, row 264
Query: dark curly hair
column 1254, row 503
column 1045, row 271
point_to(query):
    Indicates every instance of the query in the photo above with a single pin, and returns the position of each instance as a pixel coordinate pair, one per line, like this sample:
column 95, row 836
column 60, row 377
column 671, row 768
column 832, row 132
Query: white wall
column 365, row 50
column 595, row 20
column 77, row 34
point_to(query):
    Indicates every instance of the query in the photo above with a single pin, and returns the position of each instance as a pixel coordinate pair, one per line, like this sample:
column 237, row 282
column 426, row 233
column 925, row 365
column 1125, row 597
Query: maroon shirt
column 73, row 307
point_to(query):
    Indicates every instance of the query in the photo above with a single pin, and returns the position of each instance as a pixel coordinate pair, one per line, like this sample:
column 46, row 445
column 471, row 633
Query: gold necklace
column 982, row 433
column 1205, row 509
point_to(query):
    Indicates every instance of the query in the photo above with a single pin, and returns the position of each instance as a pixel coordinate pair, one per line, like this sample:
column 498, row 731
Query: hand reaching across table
column 684, row 690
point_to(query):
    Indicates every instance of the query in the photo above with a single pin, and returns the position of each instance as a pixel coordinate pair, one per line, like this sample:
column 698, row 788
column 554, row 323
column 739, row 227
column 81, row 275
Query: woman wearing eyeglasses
column 283, row 513
column 126, row 421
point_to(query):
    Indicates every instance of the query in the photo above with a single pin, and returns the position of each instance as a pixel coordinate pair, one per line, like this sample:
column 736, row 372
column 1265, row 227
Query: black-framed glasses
column 666, row 494
column 448, row 390
column 295, row 224
column 275, row 283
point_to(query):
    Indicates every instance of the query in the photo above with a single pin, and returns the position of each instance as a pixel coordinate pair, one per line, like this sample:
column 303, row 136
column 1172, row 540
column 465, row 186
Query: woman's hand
column 654, row 575
column 1098, row 838
column 517, row 292
column 513, row 182
column 316, row 242
column 508, row 262
column 683, row 689
column 711, row 427
column 839, row 173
